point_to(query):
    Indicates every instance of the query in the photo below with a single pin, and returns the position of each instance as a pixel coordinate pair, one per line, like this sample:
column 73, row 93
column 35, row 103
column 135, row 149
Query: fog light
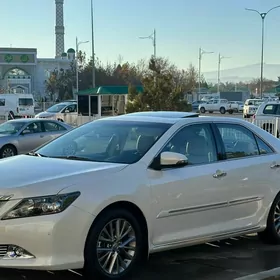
column 16, row 252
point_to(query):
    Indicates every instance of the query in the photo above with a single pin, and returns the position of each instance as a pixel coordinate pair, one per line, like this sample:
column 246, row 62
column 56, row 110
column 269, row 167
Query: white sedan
column 107, row 194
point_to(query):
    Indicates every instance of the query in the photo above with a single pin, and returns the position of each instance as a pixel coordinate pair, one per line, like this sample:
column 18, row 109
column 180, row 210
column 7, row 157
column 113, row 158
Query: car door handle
column 219, row 174
column 275, row 165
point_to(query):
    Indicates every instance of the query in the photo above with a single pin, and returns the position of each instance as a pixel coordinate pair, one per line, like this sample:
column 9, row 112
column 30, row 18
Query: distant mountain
column 244, row 74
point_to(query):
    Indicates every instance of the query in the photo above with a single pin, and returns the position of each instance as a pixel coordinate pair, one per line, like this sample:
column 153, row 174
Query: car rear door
column 249, row 174
column 52, row 130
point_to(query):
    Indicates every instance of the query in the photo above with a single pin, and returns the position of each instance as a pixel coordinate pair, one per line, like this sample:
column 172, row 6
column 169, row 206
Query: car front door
column 31, row 137
column 191, row 202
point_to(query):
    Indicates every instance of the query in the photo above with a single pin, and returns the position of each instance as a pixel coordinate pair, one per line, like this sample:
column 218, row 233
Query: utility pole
column 220, row 58
column 263, row 16
column 201, row 53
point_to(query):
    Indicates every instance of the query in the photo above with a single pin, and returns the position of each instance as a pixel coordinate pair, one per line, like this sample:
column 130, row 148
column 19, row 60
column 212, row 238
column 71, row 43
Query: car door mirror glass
column 173, row 159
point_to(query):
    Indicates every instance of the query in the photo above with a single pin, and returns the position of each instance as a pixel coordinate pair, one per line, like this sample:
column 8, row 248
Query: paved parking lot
column 222, row 260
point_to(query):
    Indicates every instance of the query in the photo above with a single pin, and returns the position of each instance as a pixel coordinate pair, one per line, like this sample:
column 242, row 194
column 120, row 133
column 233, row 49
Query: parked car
column 58, row 111
column 183, row 181
column 23, row 135
column 217, row 105
column 267, row 117
column 238, row 105
column 195, row 105
column 251, row 106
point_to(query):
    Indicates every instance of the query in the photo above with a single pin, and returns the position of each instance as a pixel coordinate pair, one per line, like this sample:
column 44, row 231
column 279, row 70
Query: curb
column 273, row 274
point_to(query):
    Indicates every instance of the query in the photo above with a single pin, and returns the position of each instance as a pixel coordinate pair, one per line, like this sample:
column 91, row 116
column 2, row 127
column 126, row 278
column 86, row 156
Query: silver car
column 21, row 136
column 56, row 111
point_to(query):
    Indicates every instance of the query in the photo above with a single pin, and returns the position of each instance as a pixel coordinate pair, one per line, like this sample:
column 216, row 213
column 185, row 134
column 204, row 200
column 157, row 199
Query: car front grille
column 3, row 250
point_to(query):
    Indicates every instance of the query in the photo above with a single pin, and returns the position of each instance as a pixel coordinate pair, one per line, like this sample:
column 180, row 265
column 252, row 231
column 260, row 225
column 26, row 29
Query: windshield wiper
column 74, row 158
column 34, row 154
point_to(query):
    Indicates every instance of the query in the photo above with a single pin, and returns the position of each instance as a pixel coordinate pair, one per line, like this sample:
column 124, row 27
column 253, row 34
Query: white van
column 18, row 105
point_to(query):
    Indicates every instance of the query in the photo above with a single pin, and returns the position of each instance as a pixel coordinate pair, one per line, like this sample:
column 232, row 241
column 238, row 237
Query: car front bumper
column 56, row 242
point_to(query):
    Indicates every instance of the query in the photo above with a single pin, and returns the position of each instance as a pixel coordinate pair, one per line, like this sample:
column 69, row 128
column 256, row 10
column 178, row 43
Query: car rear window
column 25, row 101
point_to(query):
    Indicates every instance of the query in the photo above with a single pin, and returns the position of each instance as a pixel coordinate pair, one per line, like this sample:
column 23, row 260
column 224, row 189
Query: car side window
column 263, row 147
column 70, row 109
column 34, row 127
column 196, row 142
column 238, row 141
column 52, row 126
column 270, row 109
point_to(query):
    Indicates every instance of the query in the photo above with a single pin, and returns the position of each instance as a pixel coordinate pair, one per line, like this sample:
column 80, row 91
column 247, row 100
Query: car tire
column 271, row 235
column 129, row 257
column 230, row 112
column 202, row 110
column 222, row 110
column 8, row 151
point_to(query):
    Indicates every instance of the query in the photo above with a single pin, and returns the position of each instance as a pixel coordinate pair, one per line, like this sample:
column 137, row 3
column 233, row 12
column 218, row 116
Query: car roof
column 26, row 120
column 164, row 114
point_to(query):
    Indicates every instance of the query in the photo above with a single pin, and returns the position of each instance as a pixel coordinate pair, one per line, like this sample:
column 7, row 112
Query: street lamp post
column 77, row 64
column 201, row 53
column 219, row 70
column 152, row 37
column 263, row 16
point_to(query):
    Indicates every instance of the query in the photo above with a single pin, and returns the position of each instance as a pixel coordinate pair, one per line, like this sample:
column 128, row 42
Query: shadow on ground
column 227, row 259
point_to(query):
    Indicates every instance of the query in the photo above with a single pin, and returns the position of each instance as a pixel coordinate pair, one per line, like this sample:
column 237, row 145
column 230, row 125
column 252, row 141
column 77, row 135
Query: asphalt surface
column 222, row 260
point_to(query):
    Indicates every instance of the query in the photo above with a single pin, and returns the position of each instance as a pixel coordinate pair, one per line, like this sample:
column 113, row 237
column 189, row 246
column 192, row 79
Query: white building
column 22, row 71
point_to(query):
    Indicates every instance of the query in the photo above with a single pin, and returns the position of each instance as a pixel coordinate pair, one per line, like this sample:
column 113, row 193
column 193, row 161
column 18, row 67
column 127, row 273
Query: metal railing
column 43, row 106
column 4, row 118
column 270, row 125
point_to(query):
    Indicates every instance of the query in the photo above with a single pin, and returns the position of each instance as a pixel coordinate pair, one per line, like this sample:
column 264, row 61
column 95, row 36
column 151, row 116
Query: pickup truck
column 267, row 117
column 218, row 105
column 250, row 107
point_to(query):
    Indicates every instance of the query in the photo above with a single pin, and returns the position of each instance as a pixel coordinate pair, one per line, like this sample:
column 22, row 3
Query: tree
column 60, row 83
column 164, row 87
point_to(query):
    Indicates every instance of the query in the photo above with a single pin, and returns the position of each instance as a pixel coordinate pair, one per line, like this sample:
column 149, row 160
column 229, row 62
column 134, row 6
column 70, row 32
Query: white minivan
column 17, row 105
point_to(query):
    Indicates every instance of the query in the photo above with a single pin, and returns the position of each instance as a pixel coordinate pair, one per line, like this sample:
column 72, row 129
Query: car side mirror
column 26, row 131
column 169, row 160
column 66, row 111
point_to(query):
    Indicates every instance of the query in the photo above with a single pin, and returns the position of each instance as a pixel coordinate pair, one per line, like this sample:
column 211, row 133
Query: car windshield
column 11, row 127
column 115, row 141
column 56, row 108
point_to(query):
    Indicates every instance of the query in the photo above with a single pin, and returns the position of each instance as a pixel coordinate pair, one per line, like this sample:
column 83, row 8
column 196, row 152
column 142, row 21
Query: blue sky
column 182, row 27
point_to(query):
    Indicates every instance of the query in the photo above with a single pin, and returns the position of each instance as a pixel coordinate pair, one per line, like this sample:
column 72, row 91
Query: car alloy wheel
column 271, row 235
column 116, row 246
column 7, row 152
column 277, row 218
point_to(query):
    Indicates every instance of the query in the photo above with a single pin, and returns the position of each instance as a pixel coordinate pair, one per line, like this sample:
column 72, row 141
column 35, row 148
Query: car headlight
column 39, row 206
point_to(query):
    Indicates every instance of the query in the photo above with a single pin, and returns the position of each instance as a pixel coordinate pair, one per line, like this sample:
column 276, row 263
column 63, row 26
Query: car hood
column 45, row 115
column 30, row 176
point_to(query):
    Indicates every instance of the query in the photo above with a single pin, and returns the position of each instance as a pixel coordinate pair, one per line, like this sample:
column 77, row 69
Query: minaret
column 59, row 28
